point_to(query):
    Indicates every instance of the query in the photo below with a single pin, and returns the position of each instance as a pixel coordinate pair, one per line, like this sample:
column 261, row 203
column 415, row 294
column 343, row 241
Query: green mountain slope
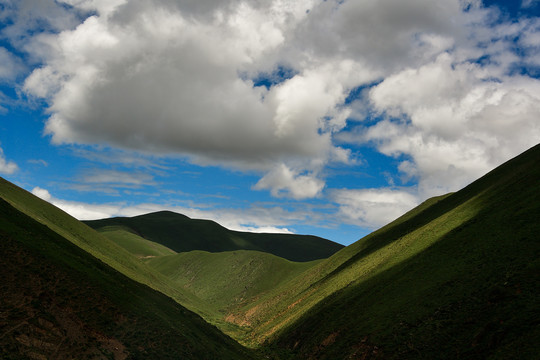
column 228, row 279
column 182, row 234
column 457, row 277
column 135, row 244
column 95, row 244
column 59, row 302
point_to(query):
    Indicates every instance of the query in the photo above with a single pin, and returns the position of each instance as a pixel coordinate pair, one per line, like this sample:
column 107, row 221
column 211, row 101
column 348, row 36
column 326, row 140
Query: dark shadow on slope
column 60, row 302
column 473, row 294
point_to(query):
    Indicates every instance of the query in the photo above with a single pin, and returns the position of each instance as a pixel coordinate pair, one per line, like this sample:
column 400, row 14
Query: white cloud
column 40, row 162
column 10, row 65
column 384, row 33
column 171, row 78
column 116, row 178
column 372, row 208
column 42, row 193
column 22, row 19
column 462, row 123
column 157, row 80
column 7, row 167
column 283, row 181
column 529, row 3
column 77, row 209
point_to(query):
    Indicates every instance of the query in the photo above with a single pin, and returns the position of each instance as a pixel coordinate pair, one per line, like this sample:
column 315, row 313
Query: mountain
column 124, row 251
column 95, row 244
column 456, row 277
column 133, row 243
column 59, row 302
column 182, row 234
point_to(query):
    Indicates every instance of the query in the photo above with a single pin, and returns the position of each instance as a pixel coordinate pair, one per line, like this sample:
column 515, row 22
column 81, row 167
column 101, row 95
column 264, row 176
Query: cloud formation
column 461, row 123
column 372, row 208
column 176, row 77
column 283, row 181
column 6, row 167
column 170, row 77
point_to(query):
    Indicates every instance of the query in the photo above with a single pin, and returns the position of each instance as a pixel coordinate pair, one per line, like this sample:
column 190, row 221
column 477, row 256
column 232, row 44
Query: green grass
column 135, row 244
column 116, row 247
column 60, row 302
column 97, row 245
column 228, row 279
column 455, row 278
column 182, row 234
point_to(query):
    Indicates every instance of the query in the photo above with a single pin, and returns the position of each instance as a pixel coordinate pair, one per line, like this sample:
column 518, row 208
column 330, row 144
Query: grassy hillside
column 227, row 279
column 59, row 302
column 96, row 244
column 182, row 234
column 135, row 244
column 457, row 277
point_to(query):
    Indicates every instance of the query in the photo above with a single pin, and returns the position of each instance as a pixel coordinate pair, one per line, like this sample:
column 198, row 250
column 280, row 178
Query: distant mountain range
column 181, row 234
column 455, row 278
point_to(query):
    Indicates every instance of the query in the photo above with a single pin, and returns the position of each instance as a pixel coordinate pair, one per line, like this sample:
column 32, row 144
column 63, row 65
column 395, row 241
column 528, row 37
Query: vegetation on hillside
column 456, row 277
column 59, row 302
column 95, row 244
column 136, row 245
column 209, row 275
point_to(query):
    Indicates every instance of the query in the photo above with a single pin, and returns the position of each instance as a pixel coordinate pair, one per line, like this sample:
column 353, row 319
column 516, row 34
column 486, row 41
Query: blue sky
column 329, row 118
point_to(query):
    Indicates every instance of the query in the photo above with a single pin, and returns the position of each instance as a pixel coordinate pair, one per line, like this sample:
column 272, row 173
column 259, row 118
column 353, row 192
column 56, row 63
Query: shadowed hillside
column 182, row 234
column 457, row 277
column 59, row 302
column 98, row 245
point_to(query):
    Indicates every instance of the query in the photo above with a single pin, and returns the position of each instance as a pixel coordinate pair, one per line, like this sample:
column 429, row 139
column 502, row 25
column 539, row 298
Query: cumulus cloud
column 7, row 167
column 372, row 208
column 461, row 122
column 151, row 77
column 42, row 193
column 23, row 19
column 283, row 181
column 79, row 210
column 175, row 77
column 169, row 77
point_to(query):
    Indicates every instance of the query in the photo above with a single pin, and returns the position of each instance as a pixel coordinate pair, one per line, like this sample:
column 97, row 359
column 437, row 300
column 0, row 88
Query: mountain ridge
column 60, row 302
column 455, row 277
column 182, row 234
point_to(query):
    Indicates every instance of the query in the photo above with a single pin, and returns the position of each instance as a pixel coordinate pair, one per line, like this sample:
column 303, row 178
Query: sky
column 329, row 118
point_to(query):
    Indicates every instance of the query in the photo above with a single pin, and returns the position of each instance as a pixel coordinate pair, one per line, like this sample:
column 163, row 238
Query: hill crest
column 183, row 234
